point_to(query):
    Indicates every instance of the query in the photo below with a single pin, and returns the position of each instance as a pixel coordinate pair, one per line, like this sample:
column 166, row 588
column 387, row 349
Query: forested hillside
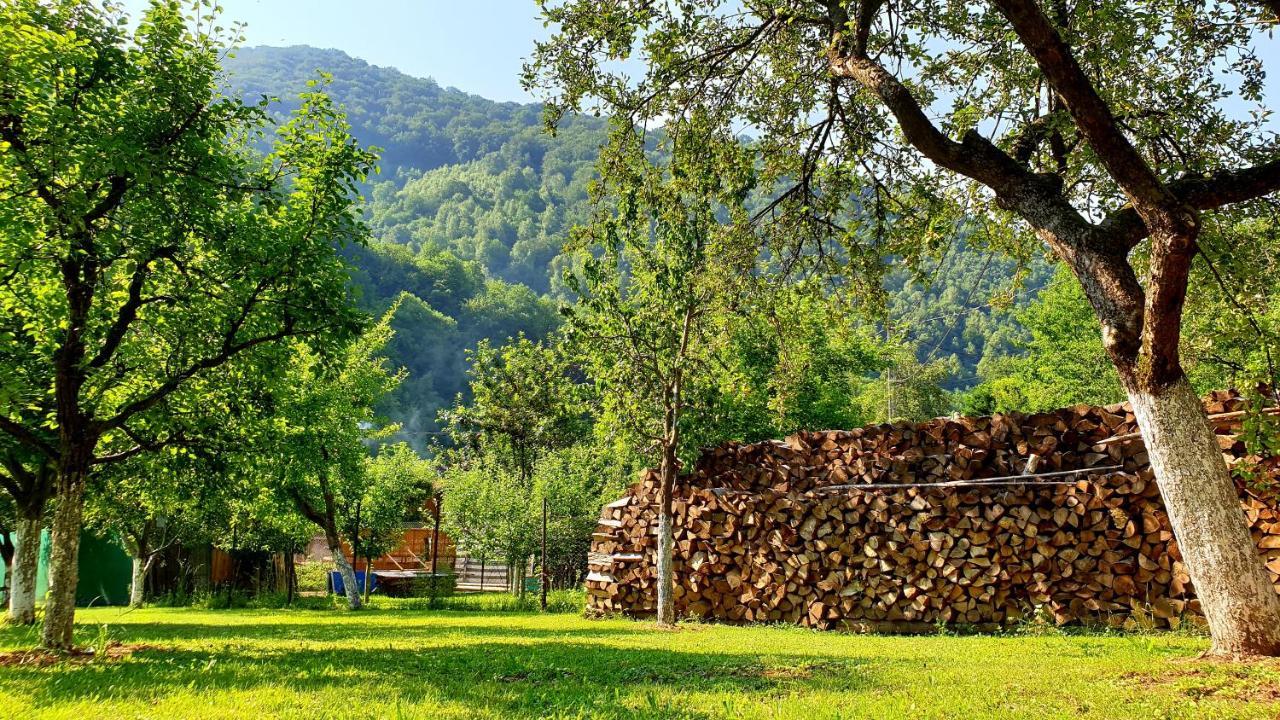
column 474, row 201
column 468, row 212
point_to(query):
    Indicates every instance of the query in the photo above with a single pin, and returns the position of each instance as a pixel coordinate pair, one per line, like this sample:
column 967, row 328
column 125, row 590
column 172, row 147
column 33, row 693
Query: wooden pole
column 435, row 536
column 545, row 579
column 368, row 575
column 482, row 573
column 288, row 574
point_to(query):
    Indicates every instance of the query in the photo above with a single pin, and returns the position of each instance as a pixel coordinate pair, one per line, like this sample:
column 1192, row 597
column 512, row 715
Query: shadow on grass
column 353, row 628
column 538, row 678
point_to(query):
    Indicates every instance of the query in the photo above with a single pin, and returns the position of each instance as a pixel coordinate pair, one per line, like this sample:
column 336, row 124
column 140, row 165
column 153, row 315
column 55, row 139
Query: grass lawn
column 395, row 662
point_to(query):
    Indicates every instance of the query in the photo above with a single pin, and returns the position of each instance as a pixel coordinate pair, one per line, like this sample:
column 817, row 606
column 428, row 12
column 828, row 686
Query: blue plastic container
column 339, row 588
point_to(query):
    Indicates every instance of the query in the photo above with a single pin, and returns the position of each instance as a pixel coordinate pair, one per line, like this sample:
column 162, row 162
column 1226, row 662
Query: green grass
column 399, row 662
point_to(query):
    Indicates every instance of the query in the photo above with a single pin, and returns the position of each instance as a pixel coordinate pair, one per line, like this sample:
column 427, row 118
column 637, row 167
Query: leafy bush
column 313, row 577
column 441, row 585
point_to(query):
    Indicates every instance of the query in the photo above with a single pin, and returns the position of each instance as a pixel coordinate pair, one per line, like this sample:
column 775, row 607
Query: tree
column 143, row 502
column 398, row 482
column 658, row 273
column 26, row 478
column 487, row 513
column 313, row 451
column 524, row 403
column 1097, row 128
column 243, row 514
column 575, row 482
column 146, row 246
column 906, row 389
column 797, row 359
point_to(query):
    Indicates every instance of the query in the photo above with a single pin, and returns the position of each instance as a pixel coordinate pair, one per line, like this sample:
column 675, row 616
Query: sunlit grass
column 394, row 661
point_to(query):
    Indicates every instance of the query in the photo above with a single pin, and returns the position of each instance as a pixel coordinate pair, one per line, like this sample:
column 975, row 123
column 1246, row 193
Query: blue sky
column 473, row 45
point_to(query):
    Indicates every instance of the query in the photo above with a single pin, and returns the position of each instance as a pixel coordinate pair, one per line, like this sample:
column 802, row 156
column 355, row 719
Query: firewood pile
column 900, row 527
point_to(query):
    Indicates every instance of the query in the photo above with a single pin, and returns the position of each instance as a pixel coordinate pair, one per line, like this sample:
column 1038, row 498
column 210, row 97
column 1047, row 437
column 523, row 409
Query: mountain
column 478, row 178
column 468, row 213
column 418, row 124
column 474, row 201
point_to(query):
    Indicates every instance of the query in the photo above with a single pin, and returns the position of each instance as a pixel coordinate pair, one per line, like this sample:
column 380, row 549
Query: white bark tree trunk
column 26, row 564
column 137, row 587
column 1235, row 591
column 666, row 579
column 348, row 574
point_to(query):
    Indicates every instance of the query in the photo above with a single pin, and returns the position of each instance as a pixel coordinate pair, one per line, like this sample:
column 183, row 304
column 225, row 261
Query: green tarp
column 105, row 571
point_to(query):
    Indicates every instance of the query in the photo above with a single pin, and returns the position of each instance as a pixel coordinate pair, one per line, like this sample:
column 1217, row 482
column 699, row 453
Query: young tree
column 242, row 511
column 657, row 277
column 1099, row 128
column 398, row 482
column 145, row 245
column 145, row 503
column 313, row 451
column 524, row 404
column 575, row 482
column 487, row 513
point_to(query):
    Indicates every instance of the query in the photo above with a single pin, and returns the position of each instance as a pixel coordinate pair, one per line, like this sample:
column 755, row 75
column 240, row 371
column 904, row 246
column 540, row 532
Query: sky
column 473, row 45
column 477, row 46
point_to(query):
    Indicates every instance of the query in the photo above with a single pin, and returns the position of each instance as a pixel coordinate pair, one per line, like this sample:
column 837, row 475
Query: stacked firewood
column 898, row 527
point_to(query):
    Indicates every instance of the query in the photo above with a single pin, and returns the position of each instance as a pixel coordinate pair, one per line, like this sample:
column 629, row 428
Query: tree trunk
column 368, row 577
column 26, row 564
column 666, row 581
column 348, row 573
column 64, row 571
column 290, row 576
column 135, row 586
column 139, row 553
column 138, row 588
column 543, row 577
column 1235, row 592
column 666, row 541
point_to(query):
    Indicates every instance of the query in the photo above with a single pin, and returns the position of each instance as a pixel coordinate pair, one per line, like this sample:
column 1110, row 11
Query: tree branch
column 119, row 185
column 129, row 310
column 1092, row 115
column 867, row 10
column 25, row 436
column 156, row 396
column 306, row 508
column 1037, row 197
column 1222, row 188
